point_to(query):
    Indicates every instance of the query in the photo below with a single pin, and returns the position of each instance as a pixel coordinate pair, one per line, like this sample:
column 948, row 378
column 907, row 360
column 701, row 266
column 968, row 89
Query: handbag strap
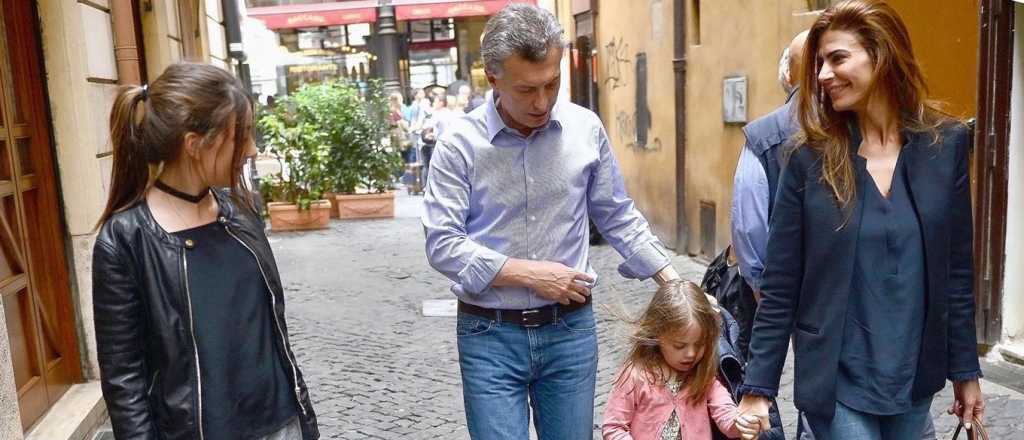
column 977, row 431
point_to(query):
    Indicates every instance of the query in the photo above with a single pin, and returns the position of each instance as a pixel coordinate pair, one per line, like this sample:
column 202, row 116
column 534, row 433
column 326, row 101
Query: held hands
column 753, row 416
column 968, row 403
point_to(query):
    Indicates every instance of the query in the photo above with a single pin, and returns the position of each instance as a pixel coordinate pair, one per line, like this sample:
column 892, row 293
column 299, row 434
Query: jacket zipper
column 152, row 384
column 195, row 346
column 273, row 313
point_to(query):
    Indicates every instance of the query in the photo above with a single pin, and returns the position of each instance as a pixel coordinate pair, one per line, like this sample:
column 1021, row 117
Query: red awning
column 427, row 9
column 315, row 15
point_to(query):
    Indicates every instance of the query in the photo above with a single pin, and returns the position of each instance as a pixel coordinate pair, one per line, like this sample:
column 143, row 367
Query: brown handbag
column 977, row 431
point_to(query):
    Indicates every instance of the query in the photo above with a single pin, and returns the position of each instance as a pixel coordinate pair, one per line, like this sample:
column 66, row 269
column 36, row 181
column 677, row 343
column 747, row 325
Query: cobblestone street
column 377, row 368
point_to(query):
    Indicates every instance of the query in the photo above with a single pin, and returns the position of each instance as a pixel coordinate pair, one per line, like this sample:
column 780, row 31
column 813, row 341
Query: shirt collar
column 495, row 124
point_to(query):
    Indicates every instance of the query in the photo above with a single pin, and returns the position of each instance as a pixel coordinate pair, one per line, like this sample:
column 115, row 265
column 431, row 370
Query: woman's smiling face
column 846, row 71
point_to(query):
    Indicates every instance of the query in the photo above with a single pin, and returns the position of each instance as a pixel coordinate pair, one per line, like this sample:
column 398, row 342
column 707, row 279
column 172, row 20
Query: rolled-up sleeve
column 446, row 206
column 616, row 216
column 750, row 198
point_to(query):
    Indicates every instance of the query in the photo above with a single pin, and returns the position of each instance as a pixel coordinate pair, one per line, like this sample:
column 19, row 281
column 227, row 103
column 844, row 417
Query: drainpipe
column 126, row 49
column 679, row 68
column 233, row 33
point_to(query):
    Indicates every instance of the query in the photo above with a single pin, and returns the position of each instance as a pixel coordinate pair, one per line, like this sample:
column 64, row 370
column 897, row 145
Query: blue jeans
column 803, row 429
column 850, row 424
column 551, row 368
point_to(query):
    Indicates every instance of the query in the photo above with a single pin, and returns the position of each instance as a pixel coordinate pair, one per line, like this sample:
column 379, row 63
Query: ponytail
column 148, row 126
column 130, row 172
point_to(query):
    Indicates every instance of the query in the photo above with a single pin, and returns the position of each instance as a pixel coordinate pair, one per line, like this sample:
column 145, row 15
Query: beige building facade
column 87, row 49
column 678, row 151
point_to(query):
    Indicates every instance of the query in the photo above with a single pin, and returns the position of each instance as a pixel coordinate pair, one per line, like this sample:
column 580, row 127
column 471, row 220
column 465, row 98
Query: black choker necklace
column 181, row 195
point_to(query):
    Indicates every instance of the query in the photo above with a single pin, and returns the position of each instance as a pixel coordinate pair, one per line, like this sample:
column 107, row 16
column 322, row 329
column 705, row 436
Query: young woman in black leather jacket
column 189, row 308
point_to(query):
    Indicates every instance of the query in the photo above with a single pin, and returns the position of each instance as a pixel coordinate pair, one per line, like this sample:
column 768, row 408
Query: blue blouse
column 886, row 311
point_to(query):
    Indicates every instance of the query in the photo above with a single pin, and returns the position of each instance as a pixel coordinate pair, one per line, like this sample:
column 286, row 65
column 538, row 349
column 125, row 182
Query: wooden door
column 34, row 286
column 991, row 159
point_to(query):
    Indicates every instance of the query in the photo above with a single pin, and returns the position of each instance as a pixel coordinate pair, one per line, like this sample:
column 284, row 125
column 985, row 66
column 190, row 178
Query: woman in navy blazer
column 869, row 256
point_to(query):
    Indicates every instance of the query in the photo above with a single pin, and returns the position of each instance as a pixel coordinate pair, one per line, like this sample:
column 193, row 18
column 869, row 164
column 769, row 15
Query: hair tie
column 145, row 92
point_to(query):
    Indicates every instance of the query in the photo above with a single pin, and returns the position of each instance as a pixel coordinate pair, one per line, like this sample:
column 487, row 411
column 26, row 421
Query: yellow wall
column 945, row 39
column 737, row 38
column 751, row 46
column 624, row 29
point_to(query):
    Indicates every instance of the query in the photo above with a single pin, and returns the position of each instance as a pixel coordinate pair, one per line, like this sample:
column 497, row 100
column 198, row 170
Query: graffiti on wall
column 617, row 58
column 626, row 131
column 632, row 126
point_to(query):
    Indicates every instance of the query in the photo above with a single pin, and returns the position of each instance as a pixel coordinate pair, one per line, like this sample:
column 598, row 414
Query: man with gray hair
column 507, row 203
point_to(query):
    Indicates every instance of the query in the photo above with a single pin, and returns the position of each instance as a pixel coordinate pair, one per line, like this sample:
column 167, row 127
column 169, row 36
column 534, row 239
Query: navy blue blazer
column 809, row 270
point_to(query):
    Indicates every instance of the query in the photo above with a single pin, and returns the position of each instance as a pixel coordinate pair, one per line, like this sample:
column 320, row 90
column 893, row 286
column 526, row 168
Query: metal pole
column 388, row 44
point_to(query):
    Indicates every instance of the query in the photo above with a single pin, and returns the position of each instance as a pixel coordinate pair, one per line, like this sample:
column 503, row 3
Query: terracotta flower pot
column 334, row 203
column 288, row 216
column 355, row 206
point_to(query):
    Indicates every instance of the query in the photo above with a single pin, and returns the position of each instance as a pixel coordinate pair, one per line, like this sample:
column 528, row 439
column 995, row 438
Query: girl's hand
column 749, row 427
column 755, row 409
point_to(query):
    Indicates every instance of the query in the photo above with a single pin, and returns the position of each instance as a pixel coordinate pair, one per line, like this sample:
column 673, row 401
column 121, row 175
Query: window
column 423, row 31
column 643, row 113
column 357, row 34
column 693, row 25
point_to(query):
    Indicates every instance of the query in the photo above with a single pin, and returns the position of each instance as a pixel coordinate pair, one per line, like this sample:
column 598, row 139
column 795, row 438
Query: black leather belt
column 527, row 318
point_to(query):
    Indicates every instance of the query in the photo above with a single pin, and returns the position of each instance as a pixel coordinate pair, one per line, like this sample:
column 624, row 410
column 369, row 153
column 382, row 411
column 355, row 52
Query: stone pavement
column 377, row 368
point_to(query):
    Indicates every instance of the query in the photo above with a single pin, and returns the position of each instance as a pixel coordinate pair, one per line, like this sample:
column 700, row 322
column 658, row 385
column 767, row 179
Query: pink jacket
column 638, row 410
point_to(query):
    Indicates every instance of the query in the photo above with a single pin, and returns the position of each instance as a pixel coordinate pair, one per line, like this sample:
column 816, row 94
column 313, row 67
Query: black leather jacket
column 149, row 363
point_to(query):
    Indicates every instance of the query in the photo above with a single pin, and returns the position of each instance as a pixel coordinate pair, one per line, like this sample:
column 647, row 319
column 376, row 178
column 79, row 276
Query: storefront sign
column 316, row 15
column 420, row 10
column 307, row 68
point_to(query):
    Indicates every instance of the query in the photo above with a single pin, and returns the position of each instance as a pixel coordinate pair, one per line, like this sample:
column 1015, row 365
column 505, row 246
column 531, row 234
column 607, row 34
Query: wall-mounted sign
column 734, row 100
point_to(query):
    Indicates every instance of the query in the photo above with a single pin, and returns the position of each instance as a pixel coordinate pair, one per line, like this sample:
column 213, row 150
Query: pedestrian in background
column 667, row 389
column 511, row 188
column 399, row 132
column 769, row 141
column 755, row 181
column 189, row 306
column 871, row 236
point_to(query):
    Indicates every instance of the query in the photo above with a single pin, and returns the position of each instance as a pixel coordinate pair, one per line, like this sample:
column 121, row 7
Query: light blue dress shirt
column 493, row 194
column 750, row 198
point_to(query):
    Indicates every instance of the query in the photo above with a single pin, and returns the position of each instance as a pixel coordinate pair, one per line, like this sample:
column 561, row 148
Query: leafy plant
column 302, row 150
column 329, row 138
column 354, row 127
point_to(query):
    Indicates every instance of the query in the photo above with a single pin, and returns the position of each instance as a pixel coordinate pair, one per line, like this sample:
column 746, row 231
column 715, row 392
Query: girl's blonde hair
column 676, row 306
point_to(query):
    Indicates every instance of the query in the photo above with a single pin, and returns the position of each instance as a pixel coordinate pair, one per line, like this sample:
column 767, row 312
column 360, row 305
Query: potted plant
column 295, row 192
column 362, row 162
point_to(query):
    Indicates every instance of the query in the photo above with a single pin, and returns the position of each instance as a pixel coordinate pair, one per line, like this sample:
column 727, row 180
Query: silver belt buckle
column 525, row 318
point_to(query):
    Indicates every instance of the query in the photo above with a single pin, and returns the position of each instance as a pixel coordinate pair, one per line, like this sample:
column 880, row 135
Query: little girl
column 667, row 388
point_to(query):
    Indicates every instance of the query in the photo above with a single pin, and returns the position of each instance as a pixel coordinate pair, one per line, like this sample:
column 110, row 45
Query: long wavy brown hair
column 884, row 36
column 675, row 306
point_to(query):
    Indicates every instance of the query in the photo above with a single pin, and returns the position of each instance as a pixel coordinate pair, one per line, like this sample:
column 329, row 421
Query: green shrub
column 329, row 138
